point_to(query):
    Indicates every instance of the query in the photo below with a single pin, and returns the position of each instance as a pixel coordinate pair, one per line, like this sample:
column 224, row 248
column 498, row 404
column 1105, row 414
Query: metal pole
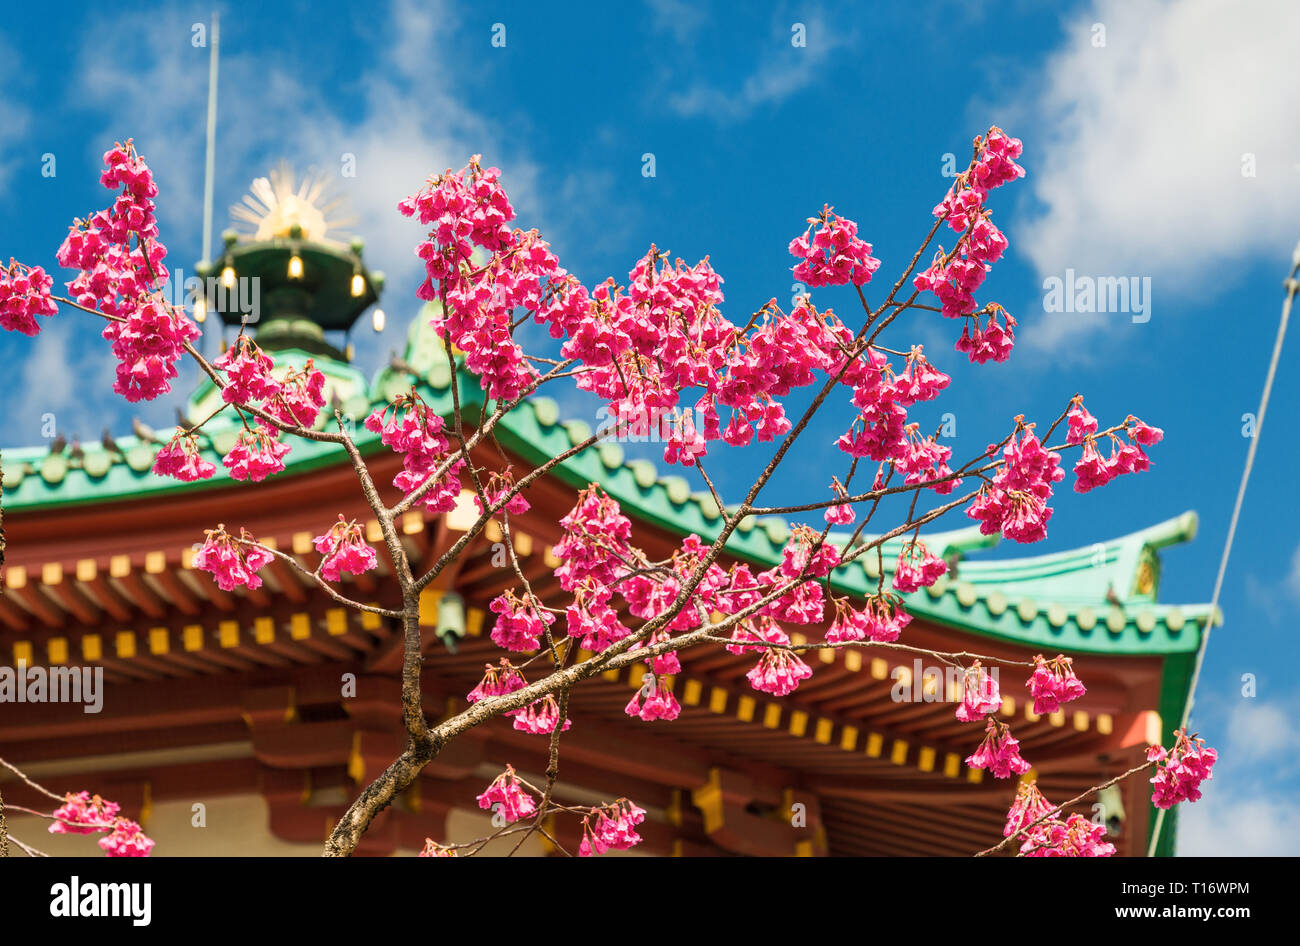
column 210, row 161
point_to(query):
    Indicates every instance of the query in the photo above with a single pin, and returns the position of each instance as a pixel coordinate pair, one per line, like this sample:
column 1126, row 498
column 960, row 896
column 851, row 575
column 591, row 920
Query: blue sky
column 1160, row 143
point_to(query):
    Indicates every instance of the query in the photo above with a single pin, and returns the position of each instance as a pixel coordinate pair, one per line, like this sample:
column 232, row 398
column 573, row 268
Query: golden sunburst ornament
column 276, row 204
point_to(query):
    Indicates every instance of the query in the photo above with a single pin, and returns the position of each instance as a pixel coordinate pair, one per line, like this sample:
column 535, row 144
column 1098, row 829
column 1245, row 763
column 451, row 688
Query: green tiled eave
column 1057, row 602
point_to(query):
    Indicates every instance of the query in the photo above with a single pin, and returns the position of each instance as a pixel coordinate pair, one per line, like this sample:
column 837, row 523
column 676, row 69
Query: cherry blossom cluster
column 24, row 294
column 833, row 255
column 182, row 458
column 466, row 209
column 258, row 453
column 541, row 718
column 1029, row 806
column 248, row 373
column 506, row 796
column 979, row 694
column 608, row 827
column 778, row 671
column 917, row 568
column 300, row 397
column 233, row 562
column 840, row 514
column 1052, row 837
column 84, row 813
column 653, row 701
column 520, row 623
column 1074, row 837
column 999, row 752
column 127, row 839
column 1092, row 470
column 345, row 550
column 955, row 277
column 1015, row 503
column 1180, row 770
column 147, row 334
column 881, row 618
column 497, row 681
column 1052, row 683
column 415, row 431
column 499, row 486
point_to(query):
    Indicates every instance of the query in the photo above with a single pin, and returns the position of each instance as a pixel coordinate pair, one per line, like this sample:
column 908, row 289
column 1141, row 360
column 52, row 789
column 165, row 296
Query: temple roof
column 1096, row 599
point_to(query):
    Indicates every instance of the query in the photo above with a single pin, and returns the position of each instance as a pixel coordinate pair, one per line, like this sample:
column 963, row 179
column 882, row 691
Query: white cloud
column 1261, row 730
column 783, row 71
column 62, row 368
column 1223, row 824
column 1293, row 579
column 682, row 18
column 1140, row 145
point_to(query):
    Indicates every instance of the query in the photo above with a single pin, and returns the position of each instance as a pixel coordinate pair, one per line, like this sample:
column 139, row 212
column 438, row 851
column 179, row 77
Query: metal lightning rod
column 210, row 158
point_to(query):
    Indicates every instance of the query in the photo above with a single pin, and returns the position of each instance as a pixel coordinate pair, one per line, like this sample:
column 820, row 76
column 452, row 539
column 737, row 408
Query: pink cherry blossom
column 1181, row 770
column 979, row 694
column 433, row 849
column 508, row 792
column 147, row 344
column 592, row 621
column 497, row 487
column 126, row 840
column 183, row 459
column 1081, row 422
column 999, row 752
column 232, row 562
column 520, row 622
column 779, row 670
column 257, row 454
column 345, row 550
column 917, row 568
column 842, row 514
column 833, row 255
column 541, row 717
column 608, row 827
column 24, row 294
column 248, row 373
column 1052, row 683
column 1015, row 503
column 996, row 163
column 497, row 681
column 1075, row 837
column 299, row 398
column 658, row 703
column 416, row 432
column 1092, row 470
column 881, row 619
column 86, row 813
column 1028, row 807
column 596, row 535
column 920, row 380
